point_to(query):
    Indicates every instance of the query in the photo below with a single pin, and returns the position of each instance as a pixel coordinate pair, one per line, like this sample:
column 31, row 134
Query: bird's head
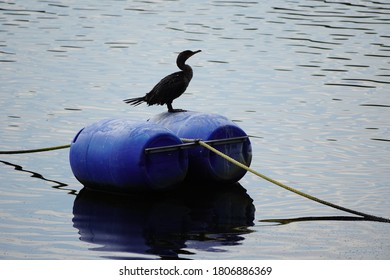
column 184, row 55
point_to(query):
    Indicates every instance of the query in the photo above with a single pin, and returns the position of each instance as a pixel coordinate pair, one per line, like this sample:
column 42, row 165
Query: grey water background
column 309, row 78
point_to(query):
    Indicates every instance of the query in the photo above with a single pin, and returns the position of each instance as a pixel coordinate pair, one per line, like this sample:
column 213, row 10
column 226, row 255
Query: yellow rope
column 207, row 146
column 34, row 150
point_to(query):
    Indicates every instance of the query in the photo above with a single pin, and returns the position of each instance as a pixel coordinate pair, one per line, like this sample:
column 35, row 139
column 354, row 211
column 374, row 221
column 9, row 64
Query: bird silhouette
column 170, row 87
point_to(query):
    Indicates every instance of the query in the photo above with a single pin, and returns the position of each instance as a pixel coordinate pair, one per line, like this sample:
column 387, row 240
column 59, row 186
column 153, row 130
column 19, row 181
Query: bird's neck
column 186, row 69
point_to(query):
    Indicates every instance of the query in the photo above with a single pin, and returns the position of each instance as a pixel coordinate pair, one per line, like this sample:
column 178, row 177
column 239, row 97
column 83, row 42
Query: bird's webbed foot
column 171, row 110
column 176, row 110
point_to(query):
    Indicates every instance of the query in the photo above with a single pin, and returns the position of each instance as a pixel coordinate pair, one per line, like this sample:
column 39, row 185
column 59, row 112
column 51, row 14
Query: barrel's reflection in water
column 163, row 224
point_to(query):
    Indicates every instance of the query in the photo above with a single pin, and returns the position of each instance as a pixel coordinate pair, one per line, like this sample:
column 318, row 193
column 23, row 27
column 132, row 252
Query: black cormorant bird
column 170, row 87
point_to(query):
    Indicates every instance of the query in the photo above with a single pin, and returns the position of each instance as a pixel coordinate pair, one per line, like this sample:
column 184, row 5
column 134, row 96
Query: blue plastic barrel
column 110, row 155
column 205, row 165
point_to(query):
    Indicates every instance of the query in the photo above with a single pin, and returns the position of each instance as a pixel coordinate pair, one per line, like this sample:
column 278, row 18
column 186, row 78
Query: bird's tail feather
column 135, row 101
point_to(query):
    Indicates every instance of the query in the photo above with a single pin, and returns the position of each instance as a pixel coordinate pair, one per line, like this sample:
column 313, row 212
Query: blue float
column 204, row 165
column 124, row 156
column 110, row 155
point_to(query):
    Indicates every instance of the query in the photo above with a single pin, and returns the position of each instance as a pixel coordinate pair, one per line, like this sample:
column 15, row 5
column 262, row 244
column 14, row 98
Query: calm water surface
column 309, row 78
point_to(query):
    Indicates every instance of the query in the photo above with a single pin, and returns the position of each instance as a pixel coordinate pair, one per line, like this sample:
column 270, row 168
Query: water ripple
column 355, row 25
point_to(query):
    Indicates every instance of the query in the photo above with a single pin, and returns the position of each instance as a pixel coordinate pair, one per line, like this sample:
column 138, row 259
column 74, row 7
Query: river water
column 309, row 79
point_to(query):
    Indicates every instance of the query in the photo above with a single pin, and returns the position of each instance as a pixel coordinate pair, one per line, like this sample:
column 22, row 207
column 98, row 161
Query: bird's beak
column 197, row 51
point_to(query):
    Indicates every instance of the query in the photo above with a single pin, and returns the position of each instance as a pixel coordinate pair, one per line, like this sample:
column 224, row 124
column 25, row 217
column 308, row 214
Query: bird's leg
column 171, row 110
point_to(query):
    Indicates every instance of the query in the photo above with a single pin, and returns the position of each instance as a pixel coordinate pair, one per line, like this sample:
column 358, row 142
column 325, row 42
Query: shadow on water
column 163, row 225
column 58, row 185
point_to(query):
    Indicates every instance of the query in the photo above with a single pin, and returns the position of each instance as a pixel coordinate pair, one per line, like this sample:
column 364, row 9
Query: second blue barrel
column 205, row 165
column 110, row 155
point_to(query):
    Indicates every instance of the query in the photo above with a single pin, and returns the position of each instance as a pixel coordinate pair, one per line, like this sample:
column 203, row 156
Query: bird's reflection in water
column 167, row 225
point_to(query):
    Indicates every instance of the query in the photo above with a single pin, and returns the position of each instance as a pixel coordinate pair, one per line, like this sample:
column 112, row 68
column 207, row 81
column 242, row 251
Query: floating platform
column 119, row 155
